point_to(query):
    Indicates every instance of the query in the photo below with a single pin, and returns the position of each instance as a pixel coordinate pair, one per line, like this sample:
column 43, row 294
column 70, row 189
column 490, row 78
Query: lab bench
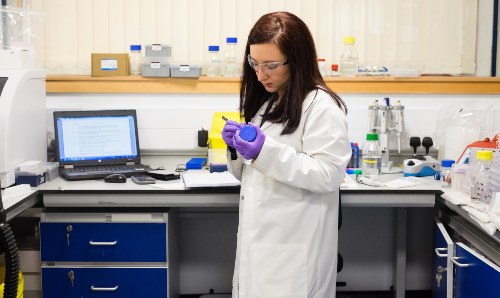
column 92, row 205
column 96, row 196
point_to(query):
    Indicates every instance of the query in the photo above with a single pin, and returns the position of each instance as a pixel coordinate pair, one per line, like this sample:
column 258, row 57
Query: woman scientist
column 291, row 172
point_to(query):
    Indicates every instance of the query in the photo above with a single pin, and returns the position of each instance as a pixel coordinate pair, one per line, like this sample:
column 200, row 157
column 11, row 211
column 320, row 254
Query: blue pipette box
column 196, row 163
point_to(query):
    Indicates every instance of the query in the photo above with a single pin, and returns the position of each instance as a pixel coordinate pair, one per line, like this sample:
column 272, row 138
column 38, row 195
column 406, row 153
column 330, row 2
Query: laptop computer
column 95, row 144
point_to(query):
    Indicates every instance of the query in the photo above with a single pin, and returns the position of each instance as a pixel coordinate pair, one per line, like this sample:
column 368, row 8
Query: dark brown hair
column 293, row 38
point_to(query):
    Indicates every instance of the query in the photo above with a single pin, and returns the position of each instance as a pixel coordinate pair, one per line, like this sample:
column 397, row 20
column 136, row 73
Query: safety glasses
column 267, row 67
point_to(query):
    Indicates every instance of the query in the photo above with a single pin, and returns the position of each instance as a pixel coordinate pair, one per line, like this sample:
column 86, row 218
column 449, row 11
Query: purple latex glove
column 250, row 150
column 228, row 131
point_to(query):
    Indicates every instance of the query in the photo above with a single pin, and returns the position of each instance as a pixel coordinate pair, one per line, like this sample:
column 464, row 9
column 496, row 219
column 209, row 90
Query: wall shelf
column 205, row 85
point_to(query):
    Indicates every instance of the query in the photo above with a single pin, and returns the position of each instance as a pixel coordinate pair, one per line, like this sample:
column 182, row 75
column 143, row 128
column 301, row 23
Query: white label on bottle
column 156, row 47
column 155, row 65
column 184, row 68
column 109, row 64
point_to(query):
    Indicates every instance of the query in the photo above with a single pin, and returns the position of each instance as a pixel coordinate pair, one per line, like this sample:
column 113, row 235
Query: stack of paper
column 207, row 179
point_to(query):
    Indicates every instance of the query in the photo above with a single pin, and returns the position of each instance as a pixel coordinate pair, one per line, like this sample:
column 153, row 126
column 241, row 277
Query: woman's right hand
column 228, row 131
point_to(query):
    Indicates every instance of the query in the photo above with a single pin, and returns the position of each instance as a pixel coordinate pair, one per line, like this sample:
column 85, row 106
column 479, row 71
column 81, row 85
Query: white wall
column 171, row 121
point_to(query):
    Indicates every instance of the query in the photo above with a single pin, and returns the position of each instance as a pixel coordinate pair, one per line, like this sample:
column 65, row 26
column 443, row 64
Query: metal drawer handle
column 96, row 289
column 455, row 261
column 437, row 250
column 95, row 243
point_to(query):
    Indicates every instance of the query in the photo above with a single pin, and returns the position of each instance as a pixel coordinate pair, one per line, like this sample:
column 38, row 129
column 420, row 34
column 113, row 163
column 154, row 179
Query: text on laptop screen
column 96, row 138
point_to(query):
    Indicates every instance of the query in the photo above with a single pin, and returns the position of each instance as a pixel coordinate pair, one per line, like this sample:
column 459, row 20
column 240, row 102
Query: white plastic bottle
column 446, row 170
column 480, row 192
column 372, row 157
column 135, row 57
column 348, row 66
column 231, row 64
column 213, row 65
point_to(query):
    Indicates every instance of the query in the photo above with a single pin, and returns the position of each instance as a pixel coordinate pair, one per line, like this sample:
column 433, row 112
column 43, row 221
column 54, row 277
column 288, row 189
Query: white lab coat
column 288, row 211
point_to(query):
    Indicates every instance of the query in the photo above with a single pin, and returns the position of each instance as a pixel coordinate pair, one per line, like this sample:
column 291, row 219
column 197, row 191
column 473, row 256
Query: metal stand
column 384, row 120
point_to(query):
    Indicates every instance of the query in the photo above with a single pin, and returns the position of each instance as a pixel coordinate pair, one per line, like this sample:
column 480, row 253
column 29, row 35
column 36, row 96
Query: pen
column 247, row 133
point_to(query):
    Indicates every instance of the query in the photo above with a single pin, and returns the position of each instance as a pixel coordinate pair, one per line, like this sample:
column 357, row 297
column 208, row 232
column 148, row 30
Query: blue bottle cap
column 135, row 47
column 447, row 163
column 248, row 133
column 213, row 48
column 232, row 40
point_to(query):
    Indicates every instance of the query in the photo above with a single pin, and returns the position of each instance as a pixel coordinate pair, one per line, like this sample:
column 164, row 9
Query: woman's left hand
column 250, row 150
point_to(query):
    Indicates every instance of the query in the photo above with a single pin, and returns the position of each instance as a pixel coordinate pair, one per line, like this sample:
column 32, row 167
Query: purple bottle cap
column 248, row 133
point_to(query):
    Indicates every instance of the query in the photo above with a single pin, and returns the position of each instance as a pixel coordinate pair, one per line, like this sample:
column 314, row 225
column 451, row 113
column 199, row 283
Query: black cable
column 494, row 47
column 11, row 254
column 12, row 264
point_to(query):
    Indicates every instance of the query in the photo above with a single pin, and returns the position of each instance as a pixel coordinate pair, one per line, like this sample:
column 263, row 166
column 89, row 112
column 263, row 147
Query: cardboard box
column 110, row 64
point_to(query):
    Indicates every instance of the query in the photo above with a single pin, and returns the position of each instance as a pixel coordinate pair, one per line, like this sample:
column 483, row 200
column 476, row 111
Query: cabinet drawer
column 103, row 242
column 104, row 282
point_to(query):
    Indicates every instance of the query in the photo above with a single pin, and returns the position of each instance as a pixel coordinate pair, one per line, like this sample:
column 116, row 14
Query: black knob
column 427, row 143
column 415, row 142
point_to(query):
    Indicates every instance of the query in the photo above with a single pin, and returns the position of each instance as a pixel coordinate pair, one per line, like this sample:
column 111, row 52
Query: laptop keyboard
column 105, row 169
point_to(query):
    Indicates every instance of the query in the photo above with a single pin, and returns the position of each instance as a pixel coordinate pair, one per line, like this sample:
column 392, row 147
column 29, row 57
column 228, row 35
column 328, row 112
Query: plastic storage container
column 480, row 176
column 158, row 50
column 214, row 63
column 135, row 57
column 446, row 171
column 372, row 156
column 185, row 71
column 348, row 66
column 231, row 64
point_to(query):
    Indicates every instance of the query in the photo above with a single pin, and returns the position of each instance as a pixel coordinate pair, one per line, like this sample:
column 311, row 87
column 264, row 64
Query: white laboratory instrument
column 385, row 119
column 23, row 128
column 420, row 167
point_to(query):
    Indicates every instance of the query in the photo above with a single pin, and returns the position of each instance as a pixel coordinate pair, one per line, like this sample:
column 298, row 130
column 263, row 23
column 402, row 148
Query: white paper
column 207, row 179
column 404, row 182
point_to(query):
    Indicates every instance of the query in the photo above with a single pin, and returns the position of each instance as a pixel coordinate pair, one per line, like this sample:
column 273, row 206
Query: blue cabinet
column 104, row 282
column 110, row 242
column 465, row 272
column 442, row 265
column 475, row 276
column 108, row 255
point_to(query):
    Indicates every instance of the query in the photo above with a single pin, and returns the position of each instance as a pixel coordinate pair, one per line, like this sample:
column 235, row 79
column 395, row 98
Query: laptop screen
column 96, row 137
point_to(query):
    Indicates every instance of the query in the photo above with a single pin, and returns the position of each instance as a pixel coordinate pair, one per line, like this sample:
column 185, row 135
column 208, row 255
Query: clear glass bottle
column 213, row 65
column 348, row 66
column 135, row 57
column 372, row 156
column 445, row 175
column 480, row 176
column 322, row 66
column 231, row 65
